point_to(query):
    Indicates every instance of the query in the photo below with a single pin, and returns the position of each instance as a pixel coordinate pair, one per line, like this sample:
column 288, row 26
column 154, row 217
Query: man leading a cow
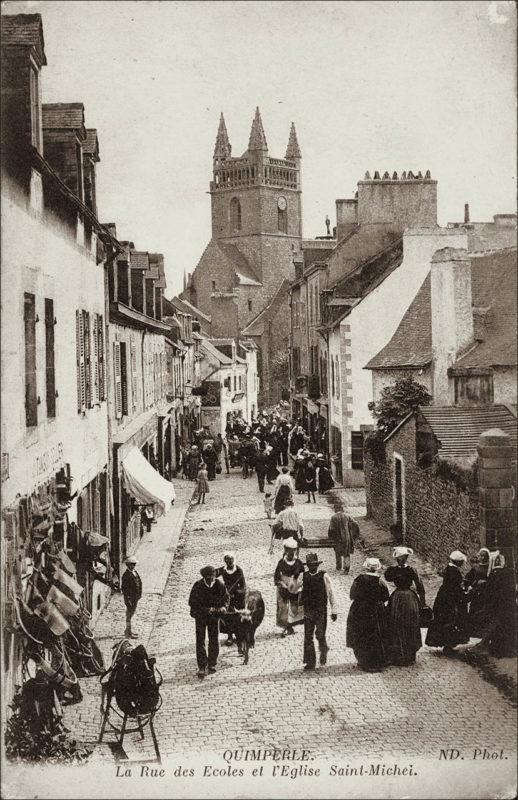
column 208, row 600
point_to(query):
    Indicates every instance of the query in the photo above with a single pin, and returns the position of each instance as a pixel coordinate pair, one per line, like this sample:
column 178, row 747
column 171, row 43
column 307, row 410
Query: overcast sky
column 369, row 85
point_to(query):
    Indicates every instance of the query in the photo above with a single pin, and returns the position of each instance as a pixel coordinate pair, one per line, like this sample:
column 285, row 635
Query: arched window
column 282, row 220
column 235, row 214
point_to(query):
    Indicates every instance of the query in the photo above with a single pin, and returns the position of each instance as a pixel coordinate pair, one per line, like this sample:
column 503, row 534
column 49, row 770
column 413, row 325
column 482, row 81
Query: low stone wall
column 439, row 516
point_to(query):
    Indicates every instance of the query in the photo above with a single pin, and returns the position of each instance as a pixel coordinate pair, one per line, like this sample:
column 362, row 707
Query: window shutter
column 87, row 359
column 81, row 376
column 117, row 379
column 100, row 352
column 124, row 377
column 133, row 365
column 96, row 358
column 31, row 395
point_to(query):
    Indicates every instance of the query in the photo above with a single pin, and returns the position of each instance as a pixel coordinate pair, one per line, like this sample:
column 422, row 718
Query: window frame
column 31, row 385
column 50, row 359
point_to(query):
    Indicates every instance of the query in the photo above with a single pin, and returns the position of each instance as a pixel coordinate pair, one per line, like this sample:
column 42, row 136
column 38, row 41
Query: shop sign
column 47, row 461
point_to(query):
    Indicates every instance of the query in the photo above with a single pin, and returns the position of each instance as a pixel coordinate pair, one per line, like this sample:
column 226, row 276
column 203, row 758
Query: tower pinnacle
column 257, row 138
column 223, row 148
column 293, row 149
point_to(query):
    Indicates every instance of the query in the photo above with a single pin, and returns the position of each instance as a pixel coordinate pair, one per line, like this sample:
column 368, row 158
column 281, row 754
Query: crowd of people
column 388, row 609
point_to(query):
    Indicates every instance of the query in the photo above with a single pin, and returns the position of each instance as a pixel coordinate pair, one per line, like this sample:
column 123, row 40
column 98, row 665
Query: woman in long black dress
column 403, row 609
column 287, row 578
column 475, row 585
column 310, row 478
column 366, row 621
column 449, row 625
column 501, row 591
column 325, row 479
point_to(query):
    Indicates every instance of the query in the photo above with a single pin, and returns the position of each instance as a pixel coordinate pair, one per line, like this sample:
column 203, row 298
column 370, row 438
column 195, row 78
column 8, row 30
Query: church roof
column 257, row 139
column 293, row 149
column 256, row 326
column 242, row 268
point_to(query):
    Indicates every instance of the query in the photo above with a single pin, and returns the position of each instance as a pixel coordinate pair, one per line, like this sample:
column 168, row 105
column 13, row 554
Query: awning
column 145, row 484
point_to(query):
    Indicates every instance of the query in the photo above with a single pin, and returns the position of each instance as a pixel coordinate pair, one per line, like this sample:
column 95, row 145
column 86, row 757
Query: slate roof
column 91, row 143
column 215, row 353
column 256, row 326
column 195, row 311
column 63, row 115
column 493, row 285
column 457, row 429
column 23, row 30
column 241, row 266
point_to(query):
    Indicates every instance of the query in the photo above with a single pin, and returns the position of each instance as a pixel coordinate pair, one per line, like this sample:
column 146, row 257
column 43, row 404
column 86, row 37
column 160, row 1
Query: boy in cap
column 317, row 591
column 131, row 588
column 208, row 598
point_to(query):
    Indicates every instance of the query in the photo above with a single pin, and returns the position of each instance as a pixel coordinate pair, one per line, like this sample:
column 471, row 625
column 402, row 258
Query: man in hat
column 317, row 592
column 131, row 588
column 342, row 530
column 208, row 599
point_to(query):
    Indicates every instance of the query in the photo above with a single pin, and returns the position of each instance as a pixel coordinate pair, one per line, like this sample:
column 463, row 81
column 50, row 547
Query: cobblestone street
column 337, row 711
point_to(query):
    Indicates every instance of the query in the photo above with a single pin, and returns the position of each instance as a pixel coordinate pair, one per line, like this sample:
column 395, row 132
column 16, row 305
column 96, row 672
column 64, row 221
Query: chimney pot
column 466, row 212
column 376, row 176
column 403, row 175
column 394, row 176
column 410, row 175
column 386, row 176
column 427, row 175
column 367, row 176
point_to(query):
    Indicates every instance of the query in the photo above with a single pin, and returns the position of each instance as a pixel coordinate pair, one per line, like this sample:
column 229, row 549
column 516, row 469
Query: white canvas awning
column 145, row 484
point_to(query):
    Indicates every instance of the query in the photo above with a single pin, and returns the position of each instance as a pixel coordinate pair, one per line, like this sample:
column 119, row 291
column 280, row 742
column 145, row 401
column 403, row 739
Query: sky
column 369, row 85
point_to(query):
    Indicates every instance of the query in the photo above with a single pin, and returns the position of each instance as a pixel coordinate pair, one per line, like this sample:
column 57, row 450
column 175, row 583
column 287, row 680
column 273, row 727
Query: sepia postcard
column 258, row 399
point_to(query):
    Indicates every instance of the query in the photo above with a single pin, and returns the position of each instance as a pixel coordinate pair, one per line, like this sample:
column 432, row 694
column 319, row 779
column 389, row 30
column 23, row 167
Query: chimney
column 466, row 212
column 111, row 228
column 452, row 316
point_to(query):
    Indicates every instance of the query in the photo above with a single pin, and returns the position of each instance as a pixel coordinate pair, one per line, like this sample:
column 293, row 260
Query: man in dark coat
column 208, row 599
column 342, row 530
column 317, row 591
column 260, row 468
column 131, row 588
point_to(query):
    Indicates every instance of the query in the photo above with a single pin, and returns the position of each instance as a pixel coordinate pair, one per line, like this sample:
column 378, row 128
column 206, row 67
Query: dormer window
column 35, row 110
column 235, row 214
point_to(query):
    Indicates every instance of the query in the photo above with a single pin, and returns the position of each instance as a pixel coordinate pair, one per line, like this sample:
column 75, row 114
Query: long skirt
column 211, row 471
column 289, row 611
column 283, row 494
column 366, row 634
column 404, row 630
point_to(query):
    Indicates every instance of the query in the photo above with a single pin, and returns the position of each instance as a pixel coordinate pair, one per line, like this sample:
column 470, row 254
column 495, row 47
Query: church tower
column 247, row 266
column 254, row 194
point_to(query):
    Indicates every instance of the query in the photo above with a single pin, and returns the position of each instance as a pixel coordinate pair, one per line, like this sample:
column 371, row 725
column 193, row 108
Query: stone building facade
column 256, row 229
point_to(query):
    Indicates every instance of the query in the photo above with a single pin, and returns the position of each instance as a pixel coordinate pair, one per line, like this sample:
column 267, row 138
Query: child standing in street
column 268, row 503
column 202, row 486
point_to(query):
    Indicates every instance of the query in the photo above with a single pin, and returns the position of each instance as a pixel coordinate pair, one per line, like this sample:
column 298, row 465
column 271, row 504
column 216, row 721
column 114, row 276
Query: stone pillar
column 496, row 493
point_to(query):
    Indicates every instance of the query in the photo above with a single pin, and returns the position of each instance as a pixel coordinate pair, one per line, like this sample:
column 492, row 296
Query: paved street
column 336, row 711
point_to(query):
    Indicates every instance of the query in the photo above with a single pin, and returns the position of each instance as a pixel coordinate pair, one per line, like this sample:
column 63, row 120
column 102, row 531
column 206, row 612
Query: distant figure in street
column 501, row 599
column 283, row 490
column 211, row 457
column 268, row 504
column 366, row 626
column 449, row 625
column 222, row 444
column 208, row 601
column 403, row 609
column 317, row 592
column 234, row 580
column 288, row 525
column 260, row 468
column 148, row 517
column 194, row 462
column 310, row 479
column 288, row 580
column 325, row 479
column 341, row 532
column 202, row 486
column 131, row 588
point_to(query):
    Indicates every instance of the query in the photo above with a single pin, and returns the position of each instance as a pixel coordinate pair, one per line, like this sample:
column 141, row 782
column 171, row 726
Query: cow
column 243, row 622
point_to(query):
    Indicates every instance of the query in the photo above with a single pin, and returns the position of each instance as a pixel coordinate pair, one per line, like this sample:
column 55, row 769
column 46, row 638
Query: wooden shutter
column 100, row 354
column 31, row 396
column 117, row 380
column 95, row 359
column 88, row 360
column 49, row 358
column 133, row 367
column 124, row 377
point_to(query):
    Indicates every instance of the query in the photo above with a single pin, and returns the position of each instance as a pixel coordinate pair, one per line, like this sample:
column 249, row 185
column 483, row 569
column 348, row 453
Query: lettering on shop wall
column 48, row 460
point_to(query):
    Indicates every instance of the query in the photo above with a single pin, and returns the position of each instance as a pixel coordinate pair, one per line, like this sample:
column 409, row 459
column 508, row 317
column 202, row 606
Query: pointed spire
column 293, row 149
column 257, row 137
column 223, row 147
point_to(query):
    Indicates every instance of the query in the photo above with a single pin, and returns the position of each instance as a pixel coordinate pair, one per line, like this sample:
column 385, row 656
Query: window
column 282, row 220
column 100, row 357
column 80, row 179
column 50, row 378
column 235, row 214
column 337, row 373
column 357, row 449
column 35, row 110
column 133, row 370
column 235, row 383
column 31, row 397
column 240, row 383
column 332, row 376
column 88, row 360
column 249, row 305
